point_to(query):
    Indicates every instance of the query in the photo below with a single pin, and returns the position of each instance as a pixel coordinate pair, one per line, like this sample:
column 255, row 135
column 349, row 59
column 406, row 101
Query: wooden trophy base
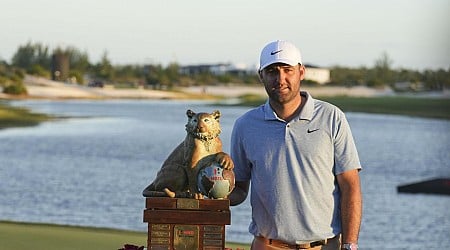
column 186, row 224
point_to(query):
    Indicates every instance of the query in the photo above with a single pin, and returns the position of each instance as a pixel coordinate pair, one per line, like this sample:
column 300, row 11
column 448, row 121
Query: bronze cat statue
column 200, row 148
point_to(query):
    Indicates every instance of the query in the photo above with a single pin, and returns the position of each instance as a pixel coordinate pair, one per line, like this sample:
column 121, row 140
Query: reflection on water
column 90, row 169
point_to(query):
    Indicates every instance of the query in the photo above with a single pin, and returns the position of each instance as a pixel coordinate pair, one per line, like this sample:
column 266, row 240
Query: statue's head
column 203, row 126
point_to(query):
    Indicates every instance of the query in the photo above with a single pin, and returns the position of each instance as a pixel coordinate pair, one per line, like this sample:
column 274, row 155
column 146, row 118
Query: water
column 90, row 170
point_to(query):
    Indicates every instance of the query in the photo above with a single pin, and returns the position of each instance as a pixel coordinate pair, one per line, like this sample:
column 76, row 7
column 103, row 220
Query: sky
column 415, row 34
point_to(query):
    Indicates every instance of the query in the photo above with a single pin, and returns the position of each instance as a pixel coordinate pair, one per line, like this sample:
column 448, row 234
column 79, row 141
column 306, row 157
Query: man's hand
column 224, row 160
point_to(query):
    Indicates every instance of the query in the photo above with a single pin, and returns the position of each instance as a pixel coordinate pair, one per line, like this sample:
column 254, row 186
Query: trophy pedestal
column 186, row 224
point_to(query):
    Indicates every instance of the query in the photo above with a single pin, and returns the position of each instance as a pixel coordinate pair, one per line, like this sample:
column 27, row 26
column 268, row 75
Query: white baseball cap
column 279, row 52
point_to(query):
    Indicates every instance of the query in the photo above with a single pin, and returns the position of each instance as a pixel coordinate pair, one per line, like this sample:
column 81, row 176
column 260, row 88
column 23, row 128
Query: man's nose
column 279, row 75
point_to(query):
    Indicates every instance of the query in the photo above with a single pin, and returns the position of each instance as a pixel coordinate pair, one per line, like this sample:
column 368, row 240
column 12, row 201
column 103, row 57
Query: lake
column 90, row 169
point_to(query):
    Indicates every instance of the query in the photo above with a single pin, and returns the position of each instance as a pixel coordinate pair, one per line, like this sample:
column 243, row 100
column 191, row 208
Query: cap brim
column 289, row 62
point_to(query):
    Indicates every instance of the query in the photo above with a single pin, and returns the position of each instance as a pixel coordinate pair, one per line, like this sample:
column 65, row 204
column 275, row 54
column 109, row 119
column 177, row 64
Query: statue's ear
column 190, row 113
column 216, row 114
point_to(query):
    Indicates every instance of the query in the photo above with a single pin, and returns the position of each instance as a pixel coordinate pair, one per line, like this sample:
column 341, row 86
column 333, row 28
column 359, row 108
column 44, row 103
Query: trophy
column 186, row 204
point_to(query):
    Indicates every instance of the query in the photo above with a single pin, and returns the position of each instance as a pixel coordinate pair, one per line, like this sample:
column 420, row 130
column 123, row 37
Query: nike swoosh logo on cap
column 275, row 52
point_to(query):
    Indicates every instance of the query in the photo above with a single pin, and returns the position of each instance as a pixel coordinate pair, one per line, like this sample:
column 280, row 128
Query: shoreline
column 42, row 88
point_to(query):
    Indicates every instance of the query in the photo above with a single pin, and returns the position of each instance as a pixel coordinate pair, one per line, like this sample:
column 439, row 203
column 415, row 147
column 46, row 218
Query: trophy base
column 186, row 224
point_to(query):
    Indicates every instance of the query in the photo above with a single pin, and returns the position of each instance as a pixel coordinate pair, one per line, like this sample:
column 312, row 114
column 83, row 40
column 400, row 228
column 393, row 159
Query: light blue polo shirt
column 292, row 168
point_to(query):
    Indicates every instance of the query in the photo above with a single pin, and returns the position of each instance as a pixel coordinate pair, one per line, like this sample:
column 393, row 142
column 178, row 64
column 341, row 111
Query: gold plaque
column 184, row 203
column 212, row 236
column 207, row 242
column 160, row 241
column 160, row 227
column 161, row 234
column 186, row 237
column 159, row 248
column 212, row 248
column 211, row 228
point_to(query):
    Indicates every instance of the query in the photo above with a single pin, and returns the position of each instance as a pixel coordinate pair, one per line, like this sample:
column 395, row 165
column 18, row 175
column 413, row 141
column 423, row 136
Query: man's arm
column 351, row 205
column 239, row 193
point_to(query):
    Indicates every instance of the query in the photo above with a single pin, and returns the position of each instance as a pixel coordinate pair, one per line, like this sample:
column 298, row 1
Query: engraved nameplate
column 188, row 204
column 161, row 227
column 186, row 237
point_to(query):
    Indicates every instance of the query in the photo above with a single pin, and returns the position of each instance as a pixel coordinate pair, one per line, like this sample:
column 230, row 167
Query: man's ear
column 260, row 76
column 302, row 72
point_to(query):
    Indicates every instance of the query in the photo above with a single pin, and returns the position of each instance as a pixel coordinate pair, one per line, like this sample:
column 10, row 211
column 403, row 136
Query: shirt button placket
column 287, row 132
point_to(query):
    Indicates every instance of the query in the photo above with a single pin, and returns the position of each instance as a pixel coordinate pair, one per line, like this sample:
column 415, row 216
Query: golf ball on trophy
column 215, row 181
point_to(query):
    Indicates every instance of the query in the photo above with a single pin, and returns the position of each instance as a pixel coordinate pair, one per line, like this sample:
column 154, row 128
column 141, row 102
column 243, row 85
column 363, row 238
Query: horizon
column 414, row 34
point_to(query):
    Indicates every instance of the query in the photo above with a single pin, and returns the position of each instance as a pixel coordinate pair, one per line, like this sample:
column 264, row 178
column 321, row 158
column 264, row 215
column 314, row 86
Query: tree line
column 382, row 74
column 36, row 59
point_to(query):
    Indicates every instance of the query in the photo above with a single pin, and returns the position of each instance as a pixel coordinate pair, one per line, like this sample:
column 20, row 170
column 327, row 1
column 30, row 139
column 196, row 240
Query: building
column 202, row 68
column 317, row 74
column 218, row 69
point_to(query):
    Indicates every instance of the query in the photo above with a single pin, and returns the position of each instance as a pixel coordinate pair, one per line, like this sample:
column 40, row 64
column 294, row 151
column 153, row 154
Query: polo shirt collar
column 305, row 114
column 308, row 109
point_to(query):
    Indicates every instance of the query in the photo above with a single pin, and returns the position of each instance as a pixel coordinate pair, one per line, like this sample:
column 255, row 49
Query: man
column 300, row 157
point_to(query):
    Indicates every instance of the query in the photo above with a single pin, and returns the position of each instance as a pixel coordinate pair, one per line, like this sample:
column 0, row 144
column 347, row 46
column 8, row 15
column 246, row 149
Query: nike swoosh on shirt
column 275, row 52
column 312, row 130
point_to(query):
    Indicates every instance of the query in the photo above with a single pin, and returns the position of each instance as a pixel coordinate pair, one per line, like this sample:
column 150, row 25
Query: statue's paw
column 199, row 196
column 225, row 160
column 169, row 193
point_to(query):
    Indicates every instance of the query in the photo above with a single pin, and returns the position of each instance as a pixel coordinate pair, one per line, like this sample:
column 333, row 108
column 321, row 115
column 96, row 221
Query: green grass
column 410, row 106
column 19, row 117
column 52, row 237
column 36, row 236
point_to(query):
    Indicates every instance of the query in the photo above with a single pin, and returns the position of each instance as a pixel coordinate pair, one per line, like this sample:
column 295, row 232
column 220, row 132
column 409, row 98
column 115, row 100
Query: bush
column 3, row 81
column 38, row 70
column 76, row 76
column 15, row 89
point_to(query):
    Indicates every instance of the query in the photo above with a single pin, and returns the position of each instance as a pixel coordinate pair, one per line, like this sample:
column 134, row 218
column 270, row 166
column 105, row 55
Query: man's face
column 282, row 81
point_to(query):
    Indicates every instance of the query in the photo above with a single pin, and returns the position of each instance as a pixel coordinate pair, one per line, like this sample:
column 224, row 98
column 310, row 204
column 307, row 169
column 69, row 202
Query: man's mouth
column 280, row 89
